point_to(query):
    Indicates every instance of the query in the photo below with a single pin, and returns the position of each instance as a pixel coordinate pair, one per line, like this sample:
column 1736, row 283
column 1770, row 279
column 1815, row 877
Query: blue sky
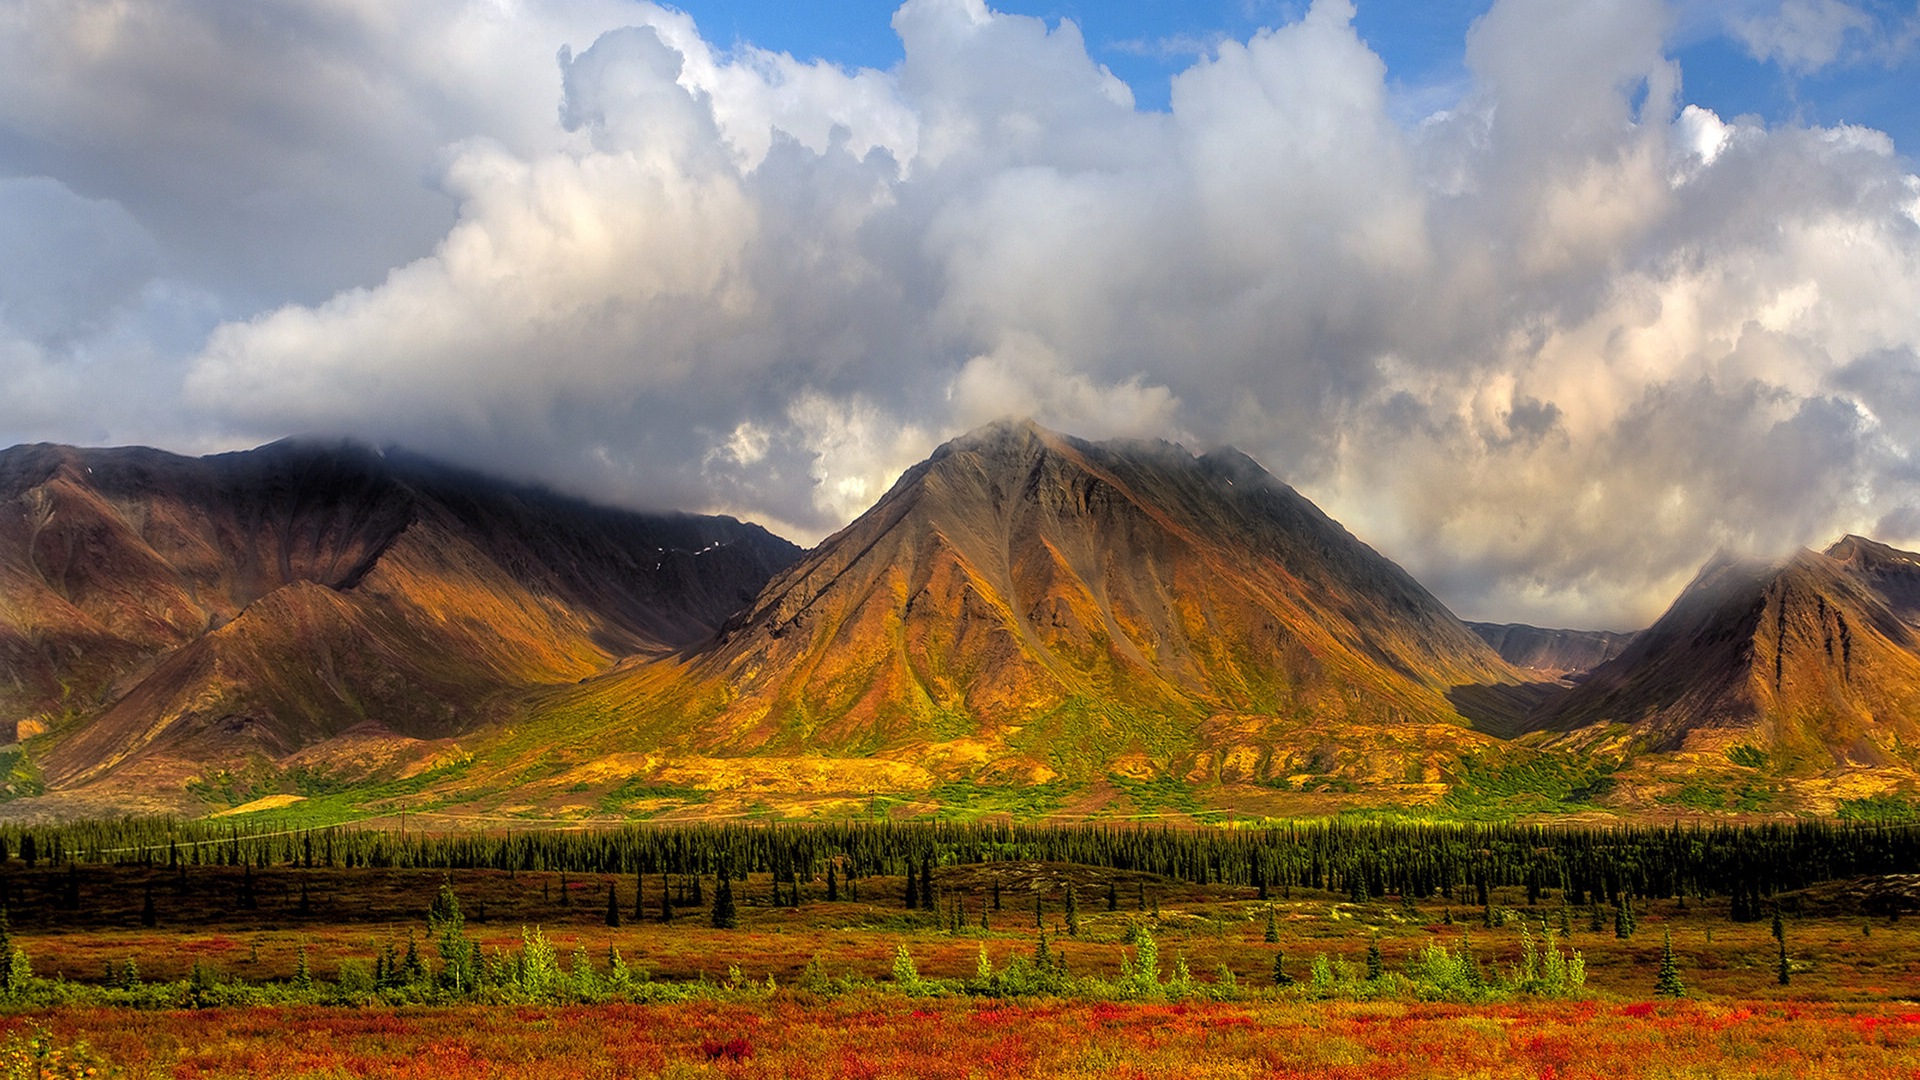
column 1874, row 81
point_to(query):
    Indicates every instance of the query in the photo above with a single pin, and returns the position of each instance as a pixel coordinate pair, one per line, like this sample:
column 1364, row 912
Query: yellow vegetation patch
column 265, row 802
column 804, row 774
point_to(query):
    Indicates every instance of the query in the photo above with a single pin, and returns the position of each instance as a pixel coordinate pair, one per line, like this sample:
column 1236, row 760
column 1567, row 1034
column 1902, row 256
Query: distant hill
column 1805, row 665
column 164, row 617
column 1555, row 653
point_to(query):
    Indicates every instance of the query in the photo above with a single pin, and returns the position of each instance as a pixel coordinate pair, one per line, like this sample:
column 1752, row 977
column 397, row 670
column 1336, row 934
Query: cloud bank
column 1548, row 348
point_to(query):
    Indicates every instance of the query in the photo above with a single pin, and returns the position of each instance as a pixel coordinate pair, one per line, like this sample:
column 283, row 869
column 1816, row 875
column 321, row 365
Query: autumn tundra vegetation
column 163, row 948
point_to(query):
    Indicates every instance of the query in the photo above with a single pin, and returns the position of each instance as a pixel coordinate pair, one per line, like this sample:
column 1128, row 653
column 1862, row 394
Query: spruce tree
column 1113, row 897
column 1272, row 936
column 1620, row 927
column 833, row 886
column 913, row 887
column 148, row 917
column 640, row 894
column 724, row 917
column 1785, row 970
column 1376, row 966
column 666, row 901
column 613, row 906
column 306, row 902
column 1073, row 912
column 1667, row 983
column 1280, row 976
column 1779, row 928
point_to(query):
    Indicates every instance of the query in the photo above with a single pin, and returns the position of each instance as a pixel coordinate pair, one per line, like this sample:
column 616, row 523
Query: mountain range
column 1025, row 623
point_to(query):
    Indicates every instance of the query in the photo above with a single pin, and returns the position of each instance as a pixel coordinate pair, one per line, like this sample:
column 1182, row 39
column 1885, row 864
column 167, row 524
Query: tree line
column 1365, row 860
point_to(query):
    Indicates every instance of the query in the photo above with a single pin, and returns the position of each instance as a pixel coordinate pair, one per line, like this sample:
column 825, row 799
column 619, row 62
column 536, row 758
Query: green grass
column 962, row 800
column 1880, row 810
column 634, row 789
column 19, row 776
column 1165, row 795
column 1703, row 793
column 1490, row 787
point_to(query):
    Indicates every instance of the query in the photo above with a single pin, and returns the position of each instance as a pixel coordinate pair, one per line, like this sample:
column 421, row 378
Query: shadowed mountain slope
column 1024, row 605
column 255, row 603
column 1813, row 662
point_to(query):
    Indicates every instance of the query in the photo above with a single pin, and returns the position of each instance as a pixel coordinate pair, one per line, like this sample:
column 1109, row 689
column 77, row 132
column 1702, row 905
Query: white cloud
column 1549, row 348
column 1802, row 35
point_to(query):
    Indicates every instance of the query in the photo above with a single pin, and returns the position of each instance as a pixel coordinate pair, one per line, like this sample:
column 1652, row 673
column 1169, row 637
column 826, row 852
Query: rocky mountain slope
column 1806, row 665
column 1025, row 606
column 162, row 616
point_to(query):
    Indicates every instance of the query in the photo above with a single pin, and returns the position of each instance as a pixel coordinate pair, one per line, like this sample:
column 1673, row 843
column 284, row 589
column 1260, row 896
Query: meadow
column 206, row 957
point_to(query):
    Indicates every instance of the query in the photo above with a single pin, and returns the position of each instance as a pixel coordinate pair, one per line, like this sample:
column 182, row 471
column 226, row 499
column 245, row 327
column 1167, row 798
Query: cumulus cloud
column 1549, row 348
column 1802, row 35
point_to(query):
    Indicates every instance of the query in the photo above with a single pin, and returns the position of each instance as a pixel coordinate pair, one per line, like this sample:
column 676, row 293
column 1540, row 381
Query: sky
column 1547, row 300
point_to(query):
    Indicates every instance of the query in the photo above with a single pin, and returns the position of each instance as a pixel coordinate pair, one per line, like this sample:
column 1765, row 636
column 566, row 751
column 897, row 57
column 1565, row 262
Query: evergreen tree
column 1785, row 969
column 1272, row 936
column 724, row 917
column 148, row 916
column 613, row 906
column 1280, row 976
column 1779, row 928
column 1376, row 966
column 996, row 894
column 71, row 898
column 666, row 901
column 833, row 886
column 1620, row 927
column 306, row 902
column 302, row 974
column 1073, row 912
column 913, row 887
column 927, row 895
column 1667, row 983
column 247, row 899
column 413, row 970
column 6, row 948
column 640, row 894
column 1594, row 922
column 1113, row 897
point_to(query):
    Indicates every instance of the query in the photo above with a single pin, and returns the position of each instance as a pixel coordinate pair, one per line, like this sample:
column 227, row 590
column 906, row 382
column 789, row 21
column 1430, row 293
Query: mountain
column 1553, row 653
column 1800, row 666
column 1025, row 606
column 162, row 617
